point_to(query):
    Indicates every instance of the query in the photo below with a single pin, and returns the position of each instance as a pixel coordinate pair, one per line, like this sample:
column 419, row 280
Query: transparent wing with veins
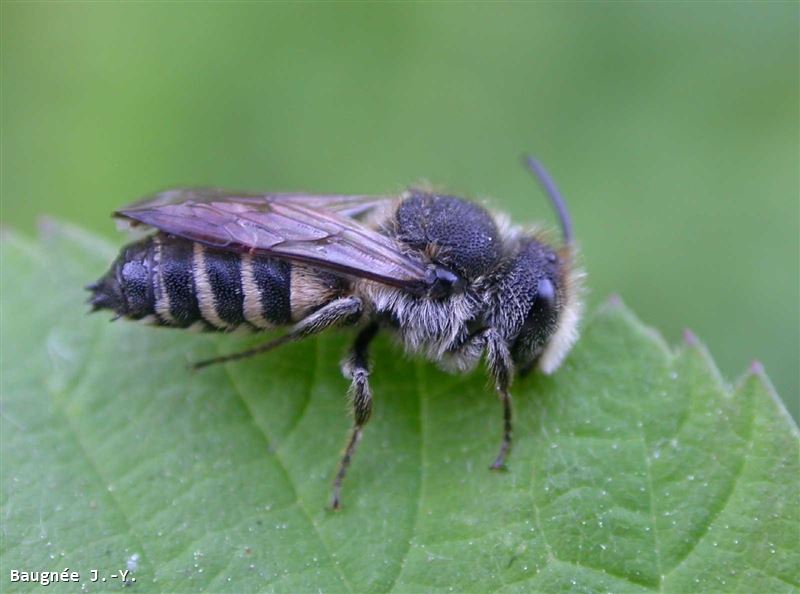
column 319, row 230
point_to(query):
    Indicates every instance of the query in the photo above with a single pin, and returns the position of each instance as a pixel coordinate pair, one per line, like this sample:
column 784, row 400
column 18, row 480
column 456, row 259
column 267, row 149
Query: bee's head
column 125, row 289
column 548, row 285
column 550, row 299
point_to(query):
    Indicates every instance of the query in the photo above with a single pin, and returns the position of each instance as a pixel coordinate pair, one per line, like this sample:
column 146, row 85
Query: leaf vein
column 723, row 502
column 240, row 395
column 306, row 397
column 421, row 400
column 70, row 424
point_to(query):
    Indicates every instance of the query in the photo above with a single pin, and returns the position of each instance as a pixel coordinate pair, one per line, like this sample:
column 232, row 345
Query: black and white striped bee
column 451, row 281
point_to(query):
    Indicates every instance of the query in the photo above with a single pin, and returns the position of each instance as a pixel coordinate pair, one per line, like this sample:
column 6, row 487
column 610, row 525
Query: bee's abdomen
column 266, row 285
column 174, row 291
column 220, row 290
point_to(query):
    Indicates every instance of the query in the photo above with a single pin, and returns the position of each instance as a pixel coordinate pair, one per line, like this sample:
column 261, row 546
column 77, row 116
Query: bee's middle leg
column 356, row 368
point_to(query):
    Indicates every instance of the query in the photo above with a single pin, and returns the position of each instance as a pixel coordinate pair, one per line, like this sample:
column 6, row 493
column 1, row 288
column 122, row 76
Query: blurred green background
column 672, row 130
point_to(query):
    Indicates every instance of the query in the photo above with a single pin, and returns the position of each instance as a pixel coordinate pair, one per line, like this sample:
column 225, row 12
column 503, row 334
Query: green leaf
column 635, row 468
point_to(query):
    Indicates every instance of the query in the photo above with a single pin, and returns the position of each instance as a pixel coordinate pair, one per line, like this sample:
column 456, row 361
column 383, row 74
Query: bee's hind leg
column 338, row 311
column 356, row 368
column 500, row 368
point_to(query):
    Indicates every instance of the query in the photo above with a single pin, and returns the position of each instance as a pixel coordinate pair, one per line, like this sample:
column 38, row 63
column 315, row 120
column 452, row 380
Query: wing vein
column 317, row 230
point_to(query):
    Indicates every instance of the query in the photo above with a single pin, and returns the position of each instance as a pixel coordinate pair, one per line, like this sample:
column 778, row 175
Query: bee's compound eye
column 551, row 257
column 546, row 291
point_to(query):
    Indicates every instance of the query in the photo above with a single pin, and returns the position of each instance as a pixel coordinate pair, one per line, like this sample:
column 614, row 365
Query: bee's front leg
column 500, row 365
column 356, row 368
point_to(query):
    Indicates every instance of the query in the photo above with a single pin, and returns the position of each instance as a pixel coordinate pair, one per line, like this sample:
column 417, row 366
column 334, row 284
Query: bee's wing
column 348, row 205
column 315, row 230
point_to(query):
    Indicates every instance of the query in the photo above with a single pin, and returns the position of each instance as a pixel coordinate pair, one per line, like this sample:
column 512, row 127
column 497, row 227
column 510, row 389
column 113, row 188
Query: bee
column 451, row 281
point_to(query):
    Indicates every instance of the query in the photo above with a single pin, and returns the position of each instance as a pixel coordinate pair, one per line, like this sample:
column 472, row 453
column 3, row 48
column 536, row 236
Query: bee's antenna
column 552, row 192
